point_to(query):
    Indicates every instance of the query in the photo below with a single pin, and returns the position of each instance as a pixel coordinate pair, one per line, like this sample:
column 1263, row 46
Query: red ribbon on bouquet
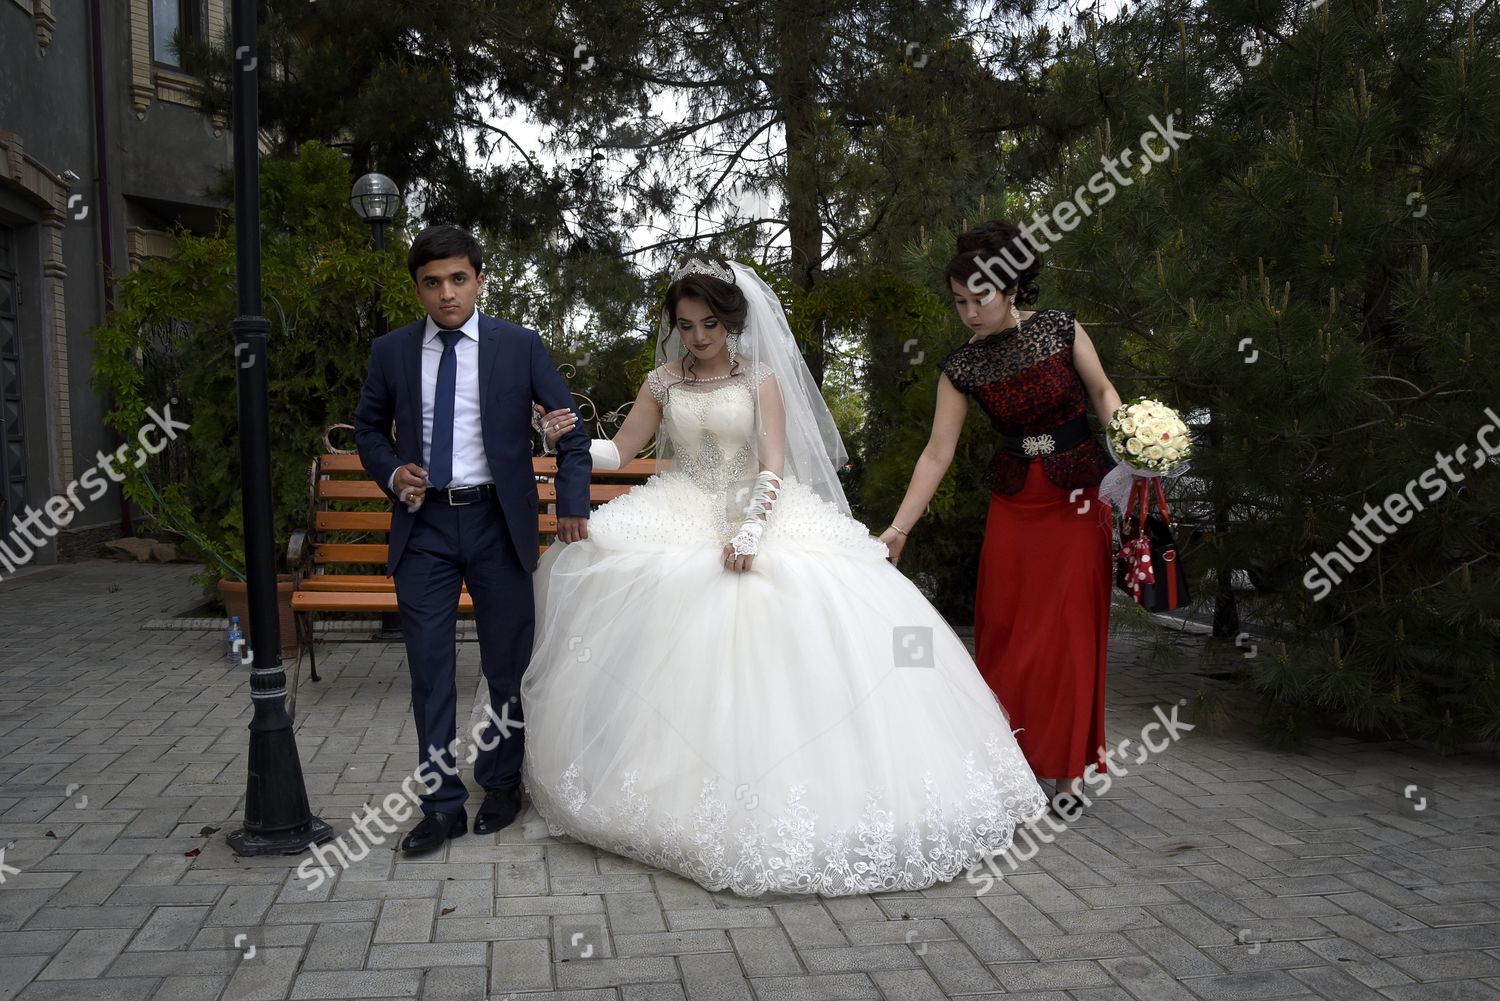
column 1135, row 549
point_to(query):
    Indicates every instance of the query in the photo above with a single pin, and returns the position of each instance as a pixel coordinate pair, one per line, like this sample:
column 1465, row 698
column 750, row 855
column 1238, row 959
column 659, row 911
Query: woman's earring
column 1015, row 314
column 734, row 347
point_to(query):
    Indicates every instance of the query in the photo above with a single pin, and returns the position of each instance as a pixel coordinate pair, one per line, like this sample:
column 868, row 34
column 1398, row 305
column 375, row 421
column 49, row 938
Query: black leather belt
column 1048, row 441
column 459, row 496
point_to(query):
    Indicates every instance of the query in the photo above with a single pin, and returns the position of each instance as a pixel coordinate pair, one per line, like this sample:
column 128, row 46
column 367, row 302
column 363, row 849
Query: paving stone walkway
column 1218, row 869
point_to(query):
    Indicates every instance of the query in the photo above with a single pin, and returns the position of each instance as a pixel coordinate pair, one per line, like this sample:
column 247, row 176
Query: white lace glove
column 604, row 453
column 746, row 541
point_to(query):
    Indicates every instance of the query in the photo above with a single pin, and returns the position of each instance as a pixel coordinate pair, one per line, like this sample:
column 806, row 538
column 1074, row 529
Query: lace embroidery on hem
column 784, row 856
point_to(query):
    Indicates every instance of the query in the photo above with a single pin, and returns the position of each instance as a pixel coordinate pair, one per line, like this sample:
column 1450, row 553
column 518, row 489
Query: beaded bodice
column 710, row 424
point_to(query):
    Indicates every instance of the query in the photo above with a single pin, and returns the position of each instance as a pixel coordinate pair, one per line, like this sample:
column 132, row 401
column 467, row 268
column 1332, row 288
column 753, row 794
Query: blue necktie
column 440, row 461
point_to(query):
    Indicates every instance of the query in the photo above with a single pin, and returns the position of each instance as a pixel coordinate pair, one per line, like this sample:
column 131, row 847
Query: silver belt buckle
column 1041, row 444
column 455, row 492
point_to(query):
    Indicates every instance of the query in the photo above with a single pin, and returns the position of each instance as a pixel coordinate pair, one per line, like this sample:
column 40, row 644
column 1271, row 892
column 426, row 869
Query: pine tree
column 1314, row 271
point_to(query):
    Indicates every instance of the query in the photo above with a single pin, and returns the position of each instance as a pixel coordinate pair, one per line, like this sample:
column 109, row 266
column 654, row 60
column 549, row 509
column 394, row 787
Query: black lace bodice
column 1025, row 381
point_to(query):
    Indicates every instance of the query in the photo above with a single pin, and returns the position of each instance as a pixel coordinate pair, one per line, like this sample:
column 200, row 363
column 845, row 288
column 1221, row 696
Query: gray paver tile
column 456, row 983
column 672, row 943
column 836, row 987
column 1231, row 872
column 106, row 989
column 523, row 965
column 191, row 988
column 339, row 945
column 265, row 977
column 714, row 977
column 415, row 955
column 87, row 954
column 406, row 920
column 344, row 984
column 652, row 992
column 765, row 952
column 591, row 973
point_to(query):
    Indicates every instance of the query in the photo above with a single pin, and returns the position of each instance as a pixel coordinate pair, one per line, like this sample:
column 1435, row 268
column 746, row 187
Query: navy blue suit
column 491, row 546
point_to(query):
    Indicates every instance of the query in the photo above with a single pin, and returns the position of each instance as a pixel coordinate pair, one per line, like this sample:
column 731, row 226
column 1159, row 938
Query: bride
column 729, row 680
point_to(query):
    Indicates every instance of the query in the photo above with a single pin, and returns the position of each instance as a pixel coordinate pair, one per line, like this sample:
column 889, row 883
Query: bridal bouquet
column 1149, row 440
column 1149, row 436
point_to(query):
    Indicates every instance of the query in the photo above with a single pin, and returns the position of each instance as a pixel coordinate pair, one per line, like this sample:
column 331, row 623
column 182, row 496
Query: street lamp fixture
column 375, row 199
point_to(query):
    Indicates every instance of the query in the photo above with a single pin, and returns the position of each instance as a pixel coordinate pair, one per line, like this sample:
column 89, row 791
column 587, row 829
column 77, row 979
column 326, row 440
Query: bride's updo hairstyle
column 706, row 277
column 997, row 252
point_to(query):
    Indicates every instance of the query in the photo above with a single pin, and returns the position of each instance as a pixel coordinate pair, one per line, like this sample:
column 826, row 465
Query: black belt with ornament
column 1048, row 441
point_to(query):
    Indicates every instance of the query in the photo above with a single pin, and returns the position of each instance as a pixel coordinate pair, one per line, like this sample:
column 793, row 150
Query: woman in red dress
column 1041, row 615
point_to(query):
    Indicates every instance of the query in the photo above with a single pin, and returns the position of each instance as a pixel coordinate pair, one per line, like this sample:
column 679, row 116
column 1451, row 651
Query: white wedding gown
column 812, row 726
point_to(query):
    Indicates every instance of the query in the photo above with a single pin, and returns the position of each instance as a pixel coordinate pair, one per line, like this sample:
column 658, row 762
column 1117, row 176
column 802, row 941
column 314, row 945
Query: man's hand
column 572, row 529
column 410, row 483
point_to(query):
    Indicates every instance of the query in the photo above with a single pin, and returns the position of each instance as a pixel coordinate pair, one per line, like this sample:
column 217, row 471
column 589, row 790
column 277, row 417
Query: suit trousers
column 451, row 546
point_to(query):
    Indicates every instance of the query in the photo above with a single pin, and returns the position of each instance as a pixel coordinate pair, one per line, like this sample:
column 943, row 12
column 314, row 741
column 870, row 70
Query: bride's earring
column 1015, row 314
column 733, row 341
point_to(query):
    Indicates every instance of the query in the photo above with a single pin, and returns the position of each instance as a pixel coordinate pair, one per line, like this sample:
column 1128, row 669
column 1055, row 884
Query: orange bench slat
column 358, row 601
column 351, row 552
column 350, row 490
column 380, row 521
column 352, row 521
column 634, row 469
column 598, row 492
column 338, row 462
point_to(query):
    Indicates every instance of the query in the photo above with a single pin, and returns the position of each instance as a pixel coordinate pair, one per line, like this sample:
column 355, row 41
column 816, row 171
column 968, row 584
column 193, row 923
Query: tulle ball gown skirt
column 812, row 726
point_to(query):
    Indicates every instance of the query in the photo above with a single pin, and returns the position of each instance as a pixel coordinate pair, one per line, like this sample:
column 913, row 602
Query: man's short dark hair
column 436, row 243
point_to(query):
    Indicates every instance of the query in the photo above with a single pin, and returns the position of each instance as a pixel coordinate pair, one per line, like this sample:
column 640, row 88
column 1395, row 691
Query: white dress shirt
column 470, row 467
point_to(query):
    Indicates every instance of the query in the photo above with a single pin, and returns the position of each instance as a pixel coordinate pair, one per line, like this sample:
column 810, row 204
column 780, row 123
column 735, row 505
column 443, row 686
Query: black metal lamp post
column 278, row 820
column 376, row 199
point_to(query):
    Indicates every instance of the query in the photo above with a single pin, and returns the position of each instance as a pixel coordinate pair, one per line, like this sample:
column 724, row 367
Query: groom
column 459, row 387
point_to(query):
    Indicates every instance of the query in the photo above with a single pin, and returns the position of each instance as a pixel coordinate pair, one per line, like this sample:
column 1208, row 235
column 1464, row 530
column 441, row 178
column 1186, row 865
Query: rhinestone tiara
column 704, row 266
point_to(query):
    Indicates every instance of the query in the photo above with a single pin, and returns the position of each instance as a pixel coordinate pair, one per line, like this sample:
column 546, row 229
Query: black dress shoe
column 499, row 810
column 434, row 829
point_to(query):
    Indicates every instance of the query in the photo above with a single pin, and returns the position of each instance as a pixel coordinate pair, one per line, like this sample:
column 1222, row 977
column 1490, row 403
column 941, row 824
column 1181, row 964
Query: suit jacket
column 514, row 370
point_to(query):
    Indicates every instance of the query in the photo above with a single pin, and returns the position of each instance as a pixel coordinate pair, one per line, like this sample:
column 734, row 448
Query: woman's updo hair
column 998, row 250
column 702, row 281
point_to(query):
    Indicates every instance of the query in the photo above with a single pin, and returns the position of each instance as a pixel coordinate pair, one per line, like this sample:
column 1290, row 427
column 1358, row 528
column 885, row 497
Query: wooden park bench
column 338, row 562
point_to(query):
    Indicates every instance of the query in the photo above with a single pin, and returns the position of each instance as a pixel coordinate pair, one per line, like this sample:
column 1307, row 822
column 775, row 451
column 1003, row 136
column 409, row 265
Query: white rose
column 1133, row 446
column 1155, row 453
column 1128, row 426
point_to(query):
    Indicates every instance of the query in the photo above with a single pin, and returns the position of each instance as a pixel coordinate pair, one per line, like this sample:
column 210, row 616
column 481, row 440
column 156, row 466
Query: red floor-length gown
column 1041, row 616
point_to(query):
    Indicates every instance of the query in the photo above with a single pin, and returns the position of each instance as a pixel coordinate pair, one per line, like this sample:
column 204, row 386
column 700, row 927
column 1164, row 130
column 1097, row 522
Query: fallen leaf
column 193, row 854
